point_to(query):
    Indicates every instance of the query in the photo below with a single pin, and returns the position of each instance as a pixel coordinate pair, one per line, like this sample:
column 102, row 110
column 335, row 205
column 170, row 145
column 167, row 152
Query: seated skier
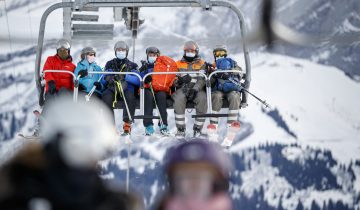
column 189, row 88
column 121, row 87
column 151, row 94
column 225, row 85
column 89, row 81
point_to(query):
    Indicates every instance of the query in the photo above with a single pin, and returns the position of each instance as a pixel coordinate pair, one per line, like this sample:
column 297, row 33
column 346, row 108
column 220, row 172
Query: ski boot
column 149, row 130
column 231, row 133
column 126, row 128
column 198, row 133
column 180, row 133
column 164, row 130
column 212, row 132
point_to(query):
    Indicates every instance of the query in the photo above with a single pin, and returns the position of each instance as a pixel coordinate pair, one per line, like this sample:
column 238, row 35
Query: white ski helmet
column 121, row 45
column 85, row 51
column 85, row 129
column 63, row 43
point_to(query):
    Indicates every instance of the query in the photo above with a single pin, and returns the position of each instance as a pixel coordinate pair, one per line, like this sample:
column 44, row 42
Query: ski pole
column 157, row 108
column 126, row 104
column 242, row 88
column 88, row 96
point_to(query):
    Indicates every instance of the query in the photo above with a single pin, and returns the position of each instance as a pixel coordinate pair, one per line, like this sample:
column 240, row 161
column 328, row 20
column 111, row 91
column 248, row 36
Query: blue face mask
column 152, row 59
column 121, row 54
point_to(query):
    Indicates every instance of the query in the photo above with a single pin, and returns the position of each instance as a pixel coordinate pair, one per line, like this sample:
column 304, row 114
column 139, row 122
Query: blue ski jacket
column 88, row 81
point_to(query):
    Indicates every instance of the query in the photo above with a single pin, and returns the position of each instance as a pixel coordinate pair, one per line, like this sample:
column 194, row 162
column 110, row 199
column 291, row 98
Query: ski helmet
column 202, row 151
column 87, row 50
column 121, row 45
column 63, row 43
column 220, row 51
column 85, row 134
column 191, row 45
column 154, row 50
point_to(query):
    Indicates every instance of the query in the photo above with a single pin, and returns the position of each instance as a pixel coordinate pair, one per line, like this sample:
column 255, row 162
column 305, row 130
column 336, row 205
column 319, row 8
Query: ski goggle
column 91, row 54
column 220, row 53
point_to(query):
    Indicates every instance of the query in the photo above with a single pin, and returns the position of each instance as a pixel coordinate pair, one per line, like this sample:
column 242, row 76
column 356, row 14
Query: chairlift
column 91, row 30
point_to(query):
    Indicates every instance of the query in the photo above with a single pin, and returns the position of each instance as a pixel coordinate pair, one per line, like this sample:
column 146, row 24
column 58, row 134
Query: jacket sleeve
column 78, row 68
column 132, row 79
column 48, row 66
column 201, row 82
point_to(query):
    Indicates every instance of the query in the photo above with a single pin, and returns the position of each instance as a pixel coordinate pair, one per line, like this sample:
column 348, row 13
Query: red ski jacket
column 61, row 79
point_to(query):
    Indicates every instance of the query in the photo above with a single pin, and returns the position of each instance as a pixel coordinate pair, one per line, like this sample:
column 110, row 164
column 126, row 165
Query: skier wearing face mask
column 87, row 63
column 152, row 53
column 58, row 83
column 189, row 87
column 119, row 86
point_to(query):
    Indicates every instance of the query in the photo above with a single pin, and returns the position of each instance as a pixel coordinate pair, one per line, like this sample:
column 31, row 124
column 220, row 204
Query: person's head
column 121, row 50
column 152, row 53
column 220, row 51
column 88, row 53
column 191, row 50
column 197, row 169
column 63, row 49
column 78, row 131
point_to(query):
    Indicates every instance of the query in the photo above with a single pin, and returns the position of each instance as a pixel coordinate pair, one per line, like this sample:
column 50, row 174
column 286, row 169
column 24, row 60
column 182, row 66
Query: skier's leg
column 108, row 98
column 201, row 108
column 217, row 102
column 179, row 108
column 161, row 102
column 148, row 109
column 234, row 102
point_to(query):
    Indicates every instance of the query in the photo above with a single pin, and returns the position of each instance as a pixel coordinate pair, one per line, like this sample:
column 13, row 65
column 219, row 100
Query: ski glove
column 148, row 79
column 224, row 76
column 144, row 66
column 184, row 79
column 83, row 73
column 97, row 85
column 209, row 67
column 51, row 87
column 191, row 94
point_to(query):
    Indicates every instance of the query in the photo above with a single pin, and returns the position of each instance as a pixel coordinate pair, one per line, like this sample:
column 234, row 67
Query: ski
column 34, row 138
column 212, row 133
column 231, row 133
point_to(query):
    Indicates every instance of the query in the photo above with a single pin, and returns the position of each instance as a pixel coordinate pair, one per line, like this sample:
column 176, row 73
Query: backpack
column 163, row 82
column 225, row 64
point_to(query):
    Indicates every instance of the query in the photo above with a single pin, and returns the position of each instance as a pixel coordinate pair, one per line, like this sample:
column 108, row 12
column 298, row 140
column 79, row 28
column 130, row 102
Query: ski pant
column 232, row 97
column 180, row 106
column 49, row 98
column 109, row 96
column 160, row 98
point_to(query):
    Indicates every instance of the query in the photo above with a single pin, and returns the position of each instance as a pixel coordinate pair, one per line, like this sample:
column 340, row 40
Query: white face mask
column 90, row 59
column 217, row 58
column 121, row 54
column 152, row 59
column 190, row 54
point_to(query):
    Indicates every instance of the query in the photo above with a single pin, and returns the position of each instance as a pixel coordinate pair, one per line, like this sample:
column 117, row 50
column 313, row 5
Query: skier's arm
column 48, row 66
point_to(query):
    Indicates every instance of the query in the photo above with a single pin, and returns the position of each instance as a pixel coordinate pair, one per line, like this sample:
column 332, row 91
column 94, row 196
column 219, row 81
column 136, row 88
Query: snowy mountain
column 303, row 153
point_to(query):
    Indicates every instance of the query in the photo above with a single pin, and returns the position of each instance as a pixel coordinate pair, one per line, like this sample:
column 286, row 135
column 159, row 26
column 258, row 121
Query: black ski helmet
column 121, row 45
column 191, row 45
column 203, row 151
column 152, row 49
column 220, row 48
column 85, row 51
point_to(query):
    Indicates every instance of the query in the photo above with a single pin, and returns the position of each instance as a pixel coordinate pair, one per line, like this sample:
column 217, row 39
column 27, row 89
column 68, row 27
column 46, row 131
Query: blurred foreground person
column 198, row 174
column 60, row 172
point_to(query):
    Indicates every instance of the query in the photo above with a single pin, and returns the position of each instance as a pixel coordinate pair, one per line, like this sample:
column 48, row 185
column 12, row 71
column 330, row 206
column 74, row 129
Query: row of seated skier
column 112, row 88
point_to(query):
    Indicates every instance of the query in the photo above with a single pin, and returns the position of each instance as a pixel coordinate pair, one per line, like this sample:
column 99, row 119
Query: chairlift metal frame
column 79, row 5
